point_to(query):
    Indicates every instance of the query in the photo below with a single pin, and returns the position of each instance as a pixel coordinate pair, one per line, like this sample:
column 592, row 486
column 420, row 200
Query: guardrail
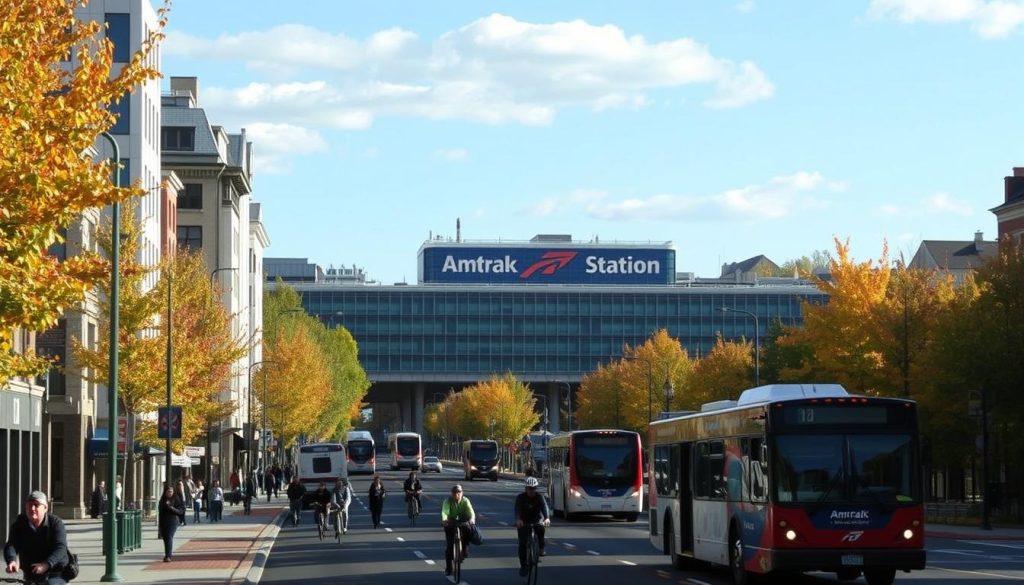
column 951, row 511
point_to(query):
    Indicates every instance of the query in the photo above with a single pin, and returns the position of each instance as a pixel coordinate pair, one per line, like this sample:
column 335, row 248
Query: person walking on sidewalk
column 98, row 503
column 169, row 512
column 183, row 496
column 216, row 503
column 377, row 495
column 251, row 485
column 197, row 501
column 268, row 484
column 37, row 543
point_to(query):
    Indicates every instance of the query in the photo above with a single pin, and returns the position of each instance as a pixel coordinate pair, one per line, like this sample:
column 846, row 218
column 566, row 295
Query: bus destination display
column 831, row 414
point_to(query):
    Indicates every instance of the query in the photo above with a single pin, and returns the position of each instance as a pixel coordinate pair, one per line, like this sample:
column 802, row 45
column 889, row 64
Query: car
column 432, row 464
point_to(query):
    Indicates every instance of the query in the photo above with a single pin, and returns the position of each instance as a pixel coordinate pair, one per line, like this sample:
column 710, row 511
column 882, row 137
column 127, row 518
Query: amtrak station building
column 549, row 310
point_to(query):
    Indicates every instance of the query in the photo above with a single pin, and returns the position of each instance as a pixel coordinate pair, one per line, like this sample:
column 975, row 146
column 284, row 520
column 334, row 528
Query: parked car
column 432, row 464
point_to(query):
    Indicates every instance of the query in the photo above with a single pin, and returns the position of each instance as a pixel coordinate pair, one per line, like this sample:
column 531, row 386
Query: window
column 710, row 466
column 119, row 33
column 178, row 138
column 190, row 236
column 122, row 109
column 191, row 196
column 666, row 469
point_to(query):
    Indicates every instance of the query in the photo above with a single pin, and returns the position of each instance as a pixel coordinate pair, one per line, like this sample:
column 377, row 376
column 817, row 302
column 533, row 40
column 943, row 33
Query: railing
column 951, row 511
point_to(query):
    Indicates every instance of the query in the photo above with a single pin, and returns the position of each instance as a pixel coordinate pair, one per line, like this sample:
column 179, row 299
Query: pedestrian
column 118, row 490
column 197, row 501
column 288, row 473
column 236, row 486
column 377, row 495
column 98, row 503
column 216, row 501
column 251, row 486
column 183, row 496
column 278, row 479
column 37, row 543
column 169, row 513
column 268, row 484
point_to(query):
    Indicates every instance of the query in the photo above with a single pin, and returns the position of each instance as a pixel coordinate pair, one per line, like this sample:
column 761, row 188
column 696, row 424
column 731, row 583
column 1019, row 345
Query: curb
column 267, row 538
column 971, row 536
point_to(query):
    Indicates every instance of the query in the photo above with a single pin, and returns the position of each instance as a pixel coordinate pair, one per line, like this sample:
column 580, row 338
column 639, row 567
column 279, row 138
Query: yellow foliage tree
column 298, row 385
column 51, row 113
column 502, row 408
column 723, row 373
column 842, row 333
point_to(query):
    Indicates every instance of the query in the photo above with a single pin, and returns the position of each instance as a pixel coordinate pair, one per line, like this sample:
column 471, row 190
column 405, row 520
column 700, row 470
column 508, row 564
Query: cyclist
column 296, row 491
column 455, row 510
column 341, row 497
column 413, row 488
column 531, row 514
column 322, row 501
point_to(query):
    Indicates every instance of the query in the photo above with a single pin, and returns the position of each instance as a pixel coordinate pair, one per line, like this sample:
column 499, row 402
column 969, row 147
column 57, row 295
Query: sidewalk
column 972, row 532
column 231, row 552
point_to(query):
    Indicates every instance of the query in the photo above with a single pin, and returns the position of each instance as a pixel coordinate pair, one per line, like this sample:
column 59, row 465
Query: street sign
column 122, row 434
column 194, row 451
column 168, row 422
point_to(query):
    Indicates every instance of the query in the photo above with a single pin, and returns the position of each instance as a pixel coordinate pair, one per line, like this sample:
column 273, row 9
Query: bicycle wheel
column 457, row 557
column 337, row 526
column 320, row 526
column 412, row 511
column 532, row 559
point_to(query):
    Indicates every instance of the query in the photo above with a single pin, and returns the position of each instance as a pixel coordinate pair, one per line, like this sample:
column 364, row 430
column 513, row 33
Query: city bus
column 596, row 472
column 320, row 462
column 362, row 454
column 480, row 459
column 790, row 478
column 406, row 450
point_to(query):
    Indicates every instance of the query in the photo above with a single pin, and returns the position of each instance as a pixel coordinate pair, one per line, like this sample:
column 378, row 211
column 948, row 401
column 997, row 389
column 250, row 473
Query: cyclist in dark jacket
column 413, row 488
column 531, row 513
column 296, row 491
column 38, row 542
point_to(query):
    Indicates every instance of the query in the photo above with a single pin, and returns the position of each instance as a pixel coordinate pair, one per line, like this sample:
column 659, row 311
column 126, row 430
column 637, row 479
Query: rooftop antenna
column 458, row 230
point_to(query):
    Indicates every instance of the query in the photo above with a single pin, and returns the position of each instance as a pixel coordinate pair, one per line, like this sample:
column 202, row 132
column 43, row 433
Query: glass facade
column 451, row 333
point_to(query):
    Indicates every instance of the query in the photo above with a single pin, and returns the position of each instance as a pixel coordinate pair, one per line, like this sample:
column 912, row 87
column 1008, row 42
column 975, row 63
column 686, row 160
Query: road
column 587, row 552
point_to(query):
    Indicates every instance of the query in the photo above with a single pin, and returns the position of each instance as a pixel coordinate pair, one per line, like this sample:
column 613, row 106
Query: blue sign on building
column 547, row 265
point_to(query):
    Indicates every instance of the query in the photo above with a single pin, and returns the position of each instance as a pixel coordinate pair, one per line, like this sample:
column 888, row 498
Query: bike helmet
column 531, row 482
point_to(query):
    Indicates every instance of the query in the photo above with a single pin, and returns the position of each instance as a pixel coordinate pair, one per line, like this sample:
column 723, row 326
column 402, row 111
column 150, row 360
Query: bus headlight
column 575, row 493
column 908, row 534
column 791, row 534
column 633, row 493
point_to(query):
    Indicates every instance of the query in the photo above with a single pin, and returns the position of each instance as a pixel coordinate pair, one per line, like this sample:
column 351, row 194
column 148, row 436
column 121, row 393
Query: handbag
column 70, row 571
column 474, row 535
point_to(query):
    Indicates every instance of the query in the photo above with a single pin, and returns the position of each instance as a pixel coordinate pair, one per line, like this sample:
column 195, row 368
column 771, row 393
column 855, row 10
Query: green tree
column 51, row 112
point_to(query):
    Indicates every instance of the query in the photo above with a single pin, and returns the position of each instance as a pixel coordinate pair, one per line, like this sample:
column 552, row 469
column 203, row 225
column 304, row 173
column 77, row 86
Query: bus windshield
column 483, row 451
column 360, row 451
column 818, row 469
column 606, row 461
column 408, row 446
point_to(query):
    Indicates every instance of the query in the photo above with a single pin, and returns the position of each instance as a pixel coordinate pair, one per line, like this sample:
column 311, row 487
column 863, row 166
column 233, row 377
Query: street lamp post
column 444, row 434
column 669, row 394
column 568, row 414
column 209, row 424
column 986, row 505
column 170, row 381
column 757, row 341
column 109, row 525
column 248, row 444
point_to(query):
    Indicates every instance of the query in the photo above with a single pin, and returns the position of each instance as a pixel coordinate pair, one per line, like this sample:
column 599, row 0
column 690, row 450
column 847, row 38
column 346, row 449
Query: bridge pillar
column 406, row 402
column 417, row 407
column 554, row 408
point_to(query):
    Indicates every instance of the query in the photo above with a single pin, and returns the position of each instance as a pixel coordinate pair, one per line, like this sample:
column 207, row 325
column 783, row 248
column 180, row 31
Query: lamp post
column 757, row 341
column 109, row 525
column 669, row 394
column 209, row 424
column 568, row 414
column 170, row 381
column 982, row 405
column 248, row 443
column 444, row 434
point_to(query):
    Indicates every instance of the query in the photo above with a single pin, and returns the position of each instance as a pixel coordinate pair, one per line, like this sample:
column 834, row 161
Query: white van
column 321, row 462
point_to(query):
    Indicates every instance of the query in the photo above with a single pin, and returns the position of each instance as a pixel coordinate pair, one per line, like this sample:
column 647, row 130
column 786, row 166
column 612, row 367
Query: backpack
column 68, row 572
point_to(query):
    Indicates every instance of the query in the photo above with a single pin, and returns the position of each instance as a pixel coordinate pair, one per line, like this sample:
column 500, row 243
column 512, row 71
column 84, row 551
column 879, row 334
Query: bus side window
column 673, row 471
column 758, row 469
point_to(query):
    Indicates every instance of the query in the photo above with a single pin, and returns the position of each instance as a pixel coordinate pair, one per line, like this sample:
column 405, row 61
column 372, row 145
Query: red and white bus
column 791, row 478
column 406, row 450
column 362, row 453
column 596, row 472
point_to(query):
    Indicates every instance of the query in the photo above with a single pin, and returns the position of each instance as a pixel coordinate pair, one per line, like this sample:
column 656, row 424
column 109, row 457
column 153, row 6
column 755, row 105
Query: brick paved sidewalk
column 231, row 552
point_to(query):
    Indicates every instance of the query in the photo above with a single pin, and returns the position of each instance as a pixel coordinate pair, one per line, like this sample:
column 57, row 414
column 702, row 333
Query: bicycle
column 413, row 508
column 320, row 515
column 296, row 510
column 458, row 554
column 32, row 580
column 339, row 525
column 532, row 555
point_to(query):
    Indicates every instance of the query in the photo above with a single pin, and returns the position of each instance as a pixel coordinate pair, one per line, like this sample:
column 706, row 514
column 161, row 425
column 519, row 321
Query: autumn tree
column 51, row 113
column 841, row 333
column 502, row 408
column 599, row 400
column 723, row 373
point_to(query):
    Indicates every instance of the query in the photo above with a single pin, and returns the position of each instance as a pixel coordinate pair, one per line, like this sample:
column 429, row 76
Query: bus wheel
column 847, row 574
column 880, row 576
column 632, row 516
column 739, row 572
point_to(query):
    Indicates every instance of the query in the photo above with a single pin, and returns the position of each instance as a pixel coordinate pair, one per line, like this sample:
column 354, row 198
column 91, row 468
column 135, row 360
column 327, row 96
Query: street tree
column 723, row 373
column 51, row 112
column 599, row 398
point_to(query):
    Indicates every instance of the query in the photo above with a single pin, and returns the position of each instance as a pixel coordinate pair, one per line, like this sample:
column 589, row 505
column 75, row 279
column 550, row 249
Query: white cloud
column 494, row 70
column 746, row 6
column 778, row 197
column 991, row 19
column 452, row 154
column 274, row 143
column 944, row 203
column 890, row 210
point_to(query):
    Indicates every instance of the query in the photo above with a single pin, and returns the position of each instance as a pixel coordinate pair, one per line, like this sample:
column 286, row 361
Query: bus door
column 681, row 453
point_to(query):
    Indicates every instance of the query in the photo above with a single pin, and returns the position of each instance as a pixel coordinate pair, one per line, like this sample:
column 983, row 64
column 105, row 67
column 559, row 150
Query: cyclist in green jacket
column 456, row 510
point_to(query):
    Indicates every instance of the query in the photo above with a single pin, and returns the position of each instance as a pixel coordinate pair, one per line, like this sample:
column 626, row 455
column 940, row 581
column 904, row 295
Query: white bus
column 406, row 450
column 362, row 452
column 597, row 472
column 321, row 462
column 480, row 459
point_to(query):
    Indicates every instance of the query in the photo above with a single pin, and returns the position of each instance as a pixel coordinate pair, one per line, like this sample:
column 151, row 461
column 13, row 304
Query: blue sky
column 729, row 128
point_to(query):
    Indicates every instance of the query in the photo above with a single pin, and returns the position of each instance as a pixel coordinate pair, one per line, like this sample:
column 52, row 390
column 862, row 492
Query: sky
column 730, row 129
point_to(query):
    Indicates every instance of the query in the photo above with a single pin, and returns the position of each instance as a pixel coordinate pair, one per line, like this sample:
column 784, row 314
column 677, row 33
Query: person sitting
column 413, row 488
column 456, row 510
column 37, row 543
column 531, row 512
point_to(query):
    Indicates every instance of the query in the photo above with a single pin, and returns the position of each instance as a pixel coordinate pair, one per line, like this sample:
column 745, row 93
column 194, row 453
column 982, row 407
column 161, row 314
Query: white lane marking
column 428, row 561
column 386, row 529
column 988, row 543
column 696, row 582
column 503, row 523
column 568, row 545
column 629, row 563
column 593, row 552
column 400, row 539
column 969, row 553
column 419, row 554
column 963, row 572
